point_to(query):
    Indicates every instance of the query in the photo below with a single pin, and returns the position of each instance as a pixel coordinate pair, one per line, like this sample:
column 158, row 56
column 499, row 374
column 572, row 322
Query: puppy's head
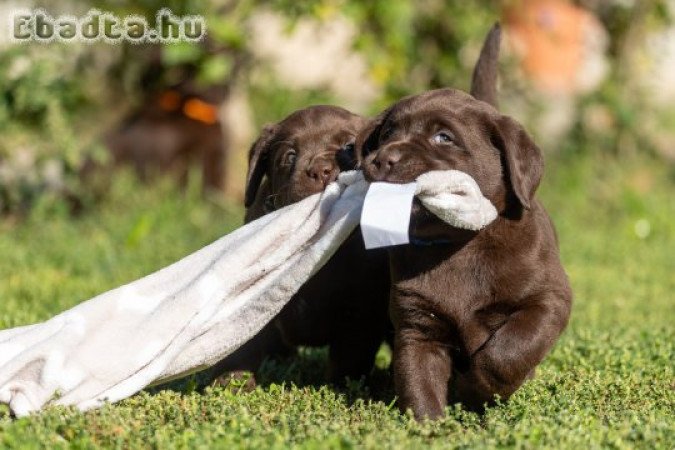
column 302, row 154
column 449, row 129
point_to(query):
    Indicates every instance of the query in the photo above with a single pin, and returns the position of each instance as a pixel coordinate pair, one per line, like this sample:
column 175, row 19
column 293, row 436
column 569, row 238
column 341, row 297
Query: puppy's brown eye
column 290, row 157
column 443, row 137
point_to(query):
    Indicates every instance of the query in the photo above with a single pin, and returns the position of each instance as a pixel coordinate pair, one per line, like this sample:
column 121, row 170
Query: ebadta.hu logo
column 39, row 26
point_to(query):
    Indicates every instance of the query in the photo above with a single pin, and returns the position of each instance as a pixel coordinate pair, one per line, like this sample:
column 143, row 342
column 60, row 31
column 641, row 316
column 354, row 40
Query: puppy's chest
column 450, row 286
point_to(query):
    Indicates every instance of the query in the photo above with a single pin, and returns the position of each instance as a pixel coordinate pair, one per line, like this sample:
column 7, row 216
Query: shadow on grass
column 305, row 369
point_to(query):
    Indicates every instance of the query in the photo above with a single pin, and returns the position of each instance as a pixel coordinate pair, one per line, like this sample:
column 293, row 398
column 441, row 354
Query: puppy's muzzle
column 383, row 163
column 322, row 171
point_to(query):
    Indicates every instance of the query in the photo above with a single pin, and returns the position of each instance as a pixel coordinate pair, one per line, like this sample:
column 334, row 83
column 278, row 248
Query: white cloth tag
column 386, row 214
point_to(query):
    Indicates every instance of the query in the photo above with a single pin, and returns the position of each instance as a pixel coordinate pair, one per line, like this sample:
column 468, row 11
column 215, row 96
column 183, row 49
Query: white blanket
column 200, row 309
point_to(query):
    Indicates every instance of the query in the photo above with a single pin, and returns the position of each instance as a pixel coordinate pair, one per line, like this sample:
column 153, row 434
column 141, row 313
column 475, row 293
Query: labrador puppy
column 170, row 132
column 473, row 312
column 344, row 305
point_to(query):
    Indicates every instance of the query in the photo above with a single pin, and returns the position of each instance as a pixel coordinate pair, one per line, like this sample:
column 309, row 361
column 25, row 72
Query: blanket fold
column 191, row 314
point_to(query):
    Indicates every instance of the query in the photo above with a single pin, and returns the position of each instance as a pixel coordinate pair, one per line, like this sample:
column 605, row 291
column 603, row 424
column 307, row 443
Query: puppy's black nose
column 384, row 161
column 322, row 171
column 346, row 158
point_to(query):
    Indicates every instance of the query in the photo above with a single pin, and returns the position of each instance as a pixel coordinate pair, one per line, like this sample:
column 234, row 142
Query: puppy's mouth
column 392, row 178
column 288, row 196
column 298, row 193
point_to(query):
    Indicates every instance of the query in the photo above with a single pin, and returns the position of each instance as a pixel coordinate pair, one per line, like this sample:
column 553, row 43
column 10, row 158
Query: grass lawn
column 608, row 383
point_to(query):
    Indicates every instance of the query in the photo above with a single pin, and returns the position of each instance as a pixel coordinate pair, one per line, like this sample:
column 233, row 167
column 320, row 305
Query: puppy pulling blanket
column 193, row 313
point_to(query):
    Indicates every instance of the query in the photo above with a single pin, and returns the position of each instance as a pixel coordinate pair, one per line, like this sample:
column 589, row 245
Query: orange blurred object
column 551, row 38
column 199, row 110
column 169, row 100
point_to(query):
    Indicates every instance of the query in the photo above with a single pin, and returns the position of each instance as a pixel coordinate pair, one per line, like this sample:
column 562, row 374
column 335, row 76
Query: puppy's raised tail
column 484, row 80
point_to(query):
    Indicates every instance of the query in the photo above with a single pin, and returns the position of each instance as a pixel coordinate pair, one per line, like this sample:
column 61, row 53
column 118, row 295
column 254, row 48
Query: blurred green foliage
column 56, row 99
column 635, row 123
column 41, row 99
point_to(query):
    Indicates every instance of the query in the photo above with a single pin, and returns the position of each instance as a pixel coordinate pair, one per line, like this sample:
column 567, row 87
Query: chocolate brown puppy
column 344, row 305
column 474, row 312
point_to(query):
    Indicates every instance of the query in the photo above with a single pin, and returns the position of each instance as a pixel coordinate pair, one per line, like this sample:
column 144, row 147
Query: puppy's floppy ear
column 521, row 158
column 368, row 137
column 484, row 80
column 258, row 159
